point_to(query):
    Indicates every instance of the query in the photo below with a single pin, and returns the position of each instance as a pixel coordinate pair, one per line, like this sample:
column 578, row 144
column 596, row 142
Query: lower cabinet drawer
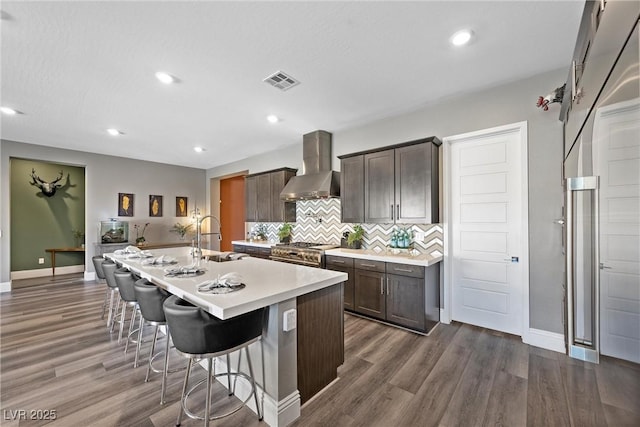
column 405, row 269
column 338, row 261
column 365, row 264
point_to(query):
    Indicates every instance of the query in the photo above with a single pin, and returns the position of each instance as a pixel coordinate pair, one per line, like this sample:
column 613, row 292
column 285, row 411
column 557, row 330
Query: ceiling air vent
column 281, row 80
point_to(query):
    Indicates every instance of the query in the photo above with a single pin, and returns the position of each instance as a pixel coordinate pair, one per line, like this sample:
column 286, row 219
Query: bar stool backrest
column 97, row 265
column 195, row 331
column 125, row 281
column 109, row 268
column 150, row 299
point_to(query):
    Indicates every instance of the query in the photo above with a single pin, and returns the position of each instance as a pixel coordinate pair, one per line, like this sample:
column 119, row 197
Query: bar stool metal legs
column 211, row 375
column 198, row 335
column 152, row 358
column 150, row 301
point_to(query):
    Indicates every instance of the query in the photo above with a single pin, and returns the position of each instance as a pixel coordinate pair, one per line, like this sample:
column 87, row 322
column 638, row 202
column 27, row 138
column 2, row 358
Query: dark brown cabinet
column 262, row 193
column 416, row 184
column 281, row 211
column 399, row 184
column 352, row 189
column 370, row 298
column 344, row 265
column 379, row 193
column 405, row 295
column 369, row 288
column 405, row 300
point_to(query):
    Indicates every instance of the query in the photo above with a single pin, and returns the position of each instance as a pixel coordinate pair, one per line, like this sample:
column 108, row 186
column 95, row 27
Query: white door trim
column 521, row 128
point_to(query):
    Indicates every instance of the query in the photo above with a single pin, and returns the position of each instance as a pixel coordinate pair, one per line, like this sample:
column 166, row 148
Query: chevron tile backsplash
column 319, row 221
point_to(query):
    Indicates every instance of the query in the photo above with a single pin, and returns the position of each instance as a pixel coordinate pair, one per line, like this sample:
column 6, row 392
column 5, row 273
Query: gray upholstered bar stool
column 125, row 280
column 97, row 266
column 109, row 268
column 200, row 335
column 150, row 299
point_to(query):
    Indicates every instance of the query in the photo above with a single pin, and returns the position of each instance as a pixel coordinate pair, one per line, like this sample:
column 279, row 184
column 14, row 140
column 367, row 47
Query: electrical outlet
column 289, row 320
column 420, row 235
column 40, row 260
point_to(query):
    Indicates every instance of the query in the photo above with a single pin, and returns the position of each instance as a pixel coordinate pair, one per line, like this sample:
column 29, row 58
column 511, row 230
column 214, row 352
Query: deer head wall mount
column 47, row 188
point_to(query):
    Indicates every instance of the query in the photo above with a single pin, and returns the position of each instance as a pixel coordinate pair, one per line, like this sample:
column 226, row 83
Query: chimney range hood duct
column 317, row 181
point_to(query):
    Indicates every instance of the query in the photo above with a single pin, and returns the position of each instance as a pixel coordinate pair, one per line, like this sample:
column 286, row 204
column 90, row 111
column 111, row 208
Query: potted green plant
column 354, row 239
column 181, row 229
column 259, row 232
column 140, row 239
column 78, row 235
column 284, row 233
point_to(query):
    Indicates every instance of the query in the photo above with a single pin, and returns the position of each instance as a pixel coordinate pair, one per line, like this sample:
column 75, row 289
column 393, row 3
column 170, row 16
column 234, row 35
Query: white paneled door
column 488, row 215
column 617, row 144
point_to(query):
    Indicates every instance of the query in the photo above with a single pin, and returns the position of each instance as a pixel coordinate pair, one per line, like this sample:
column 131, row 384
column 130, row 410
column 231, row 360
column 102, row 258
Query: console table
column 53, row 255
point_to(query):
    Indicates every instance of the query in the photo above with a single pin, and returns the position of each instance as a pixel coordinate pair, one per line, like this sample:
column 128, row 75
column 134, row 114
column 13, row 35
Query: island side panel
column 320, row 339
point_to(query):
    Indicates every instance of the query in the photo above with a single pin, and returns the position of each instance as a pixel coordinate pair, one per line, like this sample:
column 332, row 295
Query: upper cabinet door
column 262, row 193
column 352, row 188
column 264, row 197
column 251, row 198
column 379, row 200
column 415, row 185
column 281, row 211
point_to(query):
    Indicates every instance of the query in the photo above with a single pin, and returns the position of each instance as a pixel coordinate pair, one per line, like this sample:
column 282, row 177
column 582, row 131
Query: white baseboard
column 443, row 318
column 43, row 272
column 276, row 413
column 5, row 287
column 89, row 276
column 545, row 339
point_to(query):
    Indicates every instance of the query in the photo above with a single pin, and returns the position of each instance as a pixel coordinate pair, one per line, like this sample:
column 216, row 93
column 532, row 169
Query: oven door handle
column 295, row 261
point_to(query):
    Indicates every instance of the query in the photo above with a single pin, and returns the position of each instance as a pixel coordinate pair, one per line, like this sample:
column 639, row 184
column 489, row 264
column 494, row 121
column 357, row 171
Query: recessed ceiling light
column 272, row 118
column 8, row 111
column 462, row 37
column 165, row 77
column 198, row 149
column 114, row 132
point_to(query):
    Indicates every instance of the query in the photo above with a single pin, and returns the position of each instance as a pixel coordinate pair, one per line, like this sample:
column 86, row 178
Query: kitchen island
column 299, row 362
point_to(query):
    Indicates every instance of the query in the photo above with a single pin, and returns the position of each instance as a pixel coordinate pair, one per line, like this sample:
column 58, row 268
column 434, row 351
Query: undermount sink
column 224, row 257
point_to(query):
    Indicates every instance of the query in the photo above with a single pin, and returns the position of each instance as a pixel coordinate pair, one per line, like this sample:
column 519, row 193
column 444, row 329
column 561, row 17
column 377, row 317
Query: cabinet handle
column 397, row 212
column 337, row 261
column 368, row 265
column 382, row 286
column 387, row 286
column 406, row 270
column 391, row 212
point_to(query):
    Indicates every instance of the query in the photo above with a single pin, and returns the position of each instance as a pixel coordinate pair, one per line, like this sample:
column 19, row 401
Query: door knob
column 559, row 221
column 513, row 259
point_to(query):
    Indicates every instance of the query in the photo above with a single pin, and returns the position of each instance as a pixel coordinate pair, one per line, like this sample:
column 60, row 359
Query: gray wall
column 510, row 103
column 106, row 176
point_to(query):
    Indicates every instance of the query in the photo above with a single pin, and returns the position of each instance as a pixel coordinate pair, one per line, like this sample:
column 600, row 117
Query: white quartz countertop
column 256, row 243
column 424, row 260
column 267, row 282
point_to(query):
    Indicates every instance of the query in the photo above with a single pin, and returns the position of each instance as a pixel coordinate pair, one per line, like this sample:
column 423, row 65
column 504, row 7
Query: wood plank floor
column 56, row 354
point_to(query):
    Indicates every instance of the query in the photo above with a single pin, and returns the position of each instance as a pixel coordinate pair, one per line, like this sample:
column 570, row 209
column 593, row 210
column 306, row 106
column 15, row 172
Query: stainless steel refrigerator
column 601, row 114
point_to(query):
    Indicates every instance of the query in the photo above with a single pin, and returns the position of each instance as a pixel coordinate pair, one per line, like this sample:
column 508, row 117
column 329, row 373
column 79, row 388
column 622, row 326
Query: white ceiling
column 75, row 68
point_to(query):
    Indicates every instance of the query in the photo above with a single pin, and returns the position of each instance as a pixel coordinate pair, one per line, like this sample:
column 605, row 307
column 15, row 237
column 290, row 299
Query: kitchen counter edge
column 422, row 260
column 257, row 244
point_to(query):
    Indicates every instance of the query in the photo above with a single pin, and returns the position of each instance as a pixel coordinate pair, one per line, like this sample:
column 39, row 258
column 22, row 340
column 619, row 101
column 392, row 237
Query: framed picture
column 125, row 204
column 181, row 206
column 155, row 206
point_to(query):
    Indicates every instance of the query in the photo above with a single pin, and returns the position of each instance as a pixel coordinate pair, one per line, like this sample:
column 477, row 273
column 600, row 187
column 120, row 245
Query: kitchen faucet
column 198, row 250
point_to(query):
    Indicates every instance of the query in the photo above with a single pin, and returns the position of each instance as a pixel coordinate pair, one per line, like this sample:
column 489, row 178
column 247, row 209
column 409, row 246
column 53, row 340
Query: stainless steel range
column 310, row 254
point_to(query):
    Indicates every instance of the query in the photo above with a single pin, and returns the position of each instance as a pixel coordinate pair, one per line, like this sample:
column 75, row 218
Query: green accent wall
column 39, row 222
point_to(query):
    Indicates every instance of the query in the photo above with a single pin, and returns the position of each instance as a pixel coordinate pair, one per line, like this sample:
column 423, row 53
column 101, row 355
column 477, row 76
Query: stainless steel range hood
column 317, row 181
